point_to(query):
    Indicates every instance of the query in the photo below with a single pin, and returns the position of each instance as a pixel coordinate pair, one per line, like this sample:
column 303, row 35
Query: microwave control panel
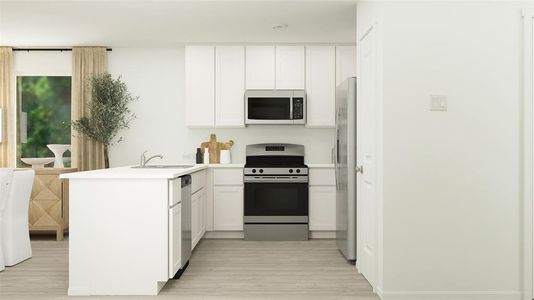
column 298, row 108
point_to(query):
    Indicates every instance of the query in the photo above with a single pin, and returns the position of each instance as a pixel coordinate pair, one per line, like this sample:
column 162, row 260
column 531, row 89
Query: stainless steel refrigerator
column 345, row 166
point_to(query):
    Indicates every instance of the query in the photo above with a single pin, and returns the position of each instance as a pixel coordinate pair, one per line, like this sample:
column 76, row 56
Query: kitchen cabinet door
column 194, row 219
column 228, row 207
column 260, row 67
column 229, row 86
column 290, row 67
column 322, row 207
column 175, row 239
column 200, row 86
column 320, row 86
column 202, row 213
column 345, row 63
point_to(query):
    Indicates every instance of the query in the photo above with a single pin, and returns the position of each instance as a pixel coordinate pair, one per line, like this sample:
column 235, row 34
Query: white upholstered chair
column 5, row 181
column 15, row 232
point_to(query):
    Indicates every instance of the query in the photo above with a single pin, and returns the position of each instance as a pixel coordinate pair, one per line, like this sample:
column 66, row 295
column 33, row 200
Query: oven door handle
column 303, row 179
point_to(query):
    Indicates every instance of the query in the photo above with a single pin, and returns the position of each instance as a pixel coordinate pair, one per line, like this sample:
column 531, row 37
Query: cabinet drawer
column 175, row 191
column 228, row 176
column 322, row 176
column 198, row 180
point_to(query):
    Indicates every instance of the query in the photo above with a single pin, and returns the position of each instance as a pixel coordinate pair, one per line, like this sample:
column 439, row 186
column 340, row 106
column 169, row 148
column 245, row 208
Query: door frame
column 527, row 153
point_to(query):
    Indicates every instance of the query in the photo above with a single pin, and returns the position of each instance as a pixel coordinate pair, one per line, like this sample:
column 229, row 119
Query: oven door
column 276, row 202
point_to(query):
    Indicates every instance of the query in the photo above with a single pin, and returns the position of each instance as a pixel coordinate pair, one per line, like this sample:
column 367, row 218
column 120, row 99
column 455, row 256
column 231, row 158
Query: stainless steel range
column 276, row 192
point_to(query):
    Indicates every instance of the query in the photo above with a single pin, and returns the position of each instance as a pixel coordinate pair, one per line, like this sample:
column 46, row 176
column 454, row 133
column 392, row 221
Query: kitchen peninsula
column 121, row 221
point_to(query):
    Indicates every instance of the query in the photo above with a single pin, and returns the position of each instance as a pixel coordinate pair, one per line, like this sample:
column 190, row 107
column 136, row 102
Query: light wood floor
column 219, row 269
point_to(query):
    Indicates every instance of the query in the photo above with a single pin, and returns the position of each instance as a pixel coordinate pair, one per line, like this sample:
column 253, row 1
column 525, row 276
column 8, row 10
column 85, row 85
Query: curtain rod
column 49, row 49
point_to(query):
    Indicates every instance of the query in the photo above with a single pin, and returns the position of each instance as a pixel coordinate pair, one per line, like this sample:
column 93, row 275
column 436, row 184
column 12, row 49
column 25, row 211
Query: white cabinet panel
column 290, row 67
column 322, row 207
column 196, row 211
column 175, row 239
column 202, row 213
column 228, row 207
column 345, row 63
column 175, row 191
column 230, row 86
column 198, row 180
column 320, row 86
column 200, row 86
column 228, row 176
column 322, row 176
column 260, row 67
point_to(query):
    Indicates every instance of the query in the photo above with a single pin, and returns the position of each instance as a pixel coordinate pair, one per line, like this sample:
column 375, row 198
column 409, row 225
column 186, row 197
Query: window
column 43, row 116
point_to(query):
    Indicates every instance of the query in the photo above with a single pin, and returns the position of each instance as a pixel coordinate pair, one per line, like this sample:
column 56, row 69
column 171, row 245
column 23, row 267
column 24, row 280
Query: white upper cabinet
column 320, row 86
column 290, row 67
column 345, row 63
column 216, row 79
column 200, row 86
column 260, row 67
column 229, row 86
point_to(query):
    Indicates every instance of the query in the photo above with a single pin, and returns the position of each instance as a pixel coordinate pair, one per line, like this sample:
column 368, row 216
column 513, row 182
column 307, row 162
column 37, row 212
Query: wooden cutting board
column 215, row 148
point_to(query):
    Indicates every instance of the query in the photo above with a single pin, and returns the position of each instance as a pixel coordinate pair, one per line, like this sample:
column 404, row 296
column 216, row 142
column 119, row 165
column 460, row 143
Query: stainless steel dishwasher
column 186, row 224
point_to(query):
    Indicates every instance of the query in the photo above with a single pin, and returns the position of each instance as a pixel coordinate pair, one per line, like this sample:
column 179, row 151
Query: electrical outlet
column 438, row 102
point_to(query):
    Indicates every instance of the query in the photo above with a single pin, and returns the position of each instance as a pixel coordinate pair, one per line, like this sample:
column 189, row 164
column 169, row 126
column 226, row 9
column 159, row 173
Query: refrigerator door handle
column 337, row 145
column 335, row 168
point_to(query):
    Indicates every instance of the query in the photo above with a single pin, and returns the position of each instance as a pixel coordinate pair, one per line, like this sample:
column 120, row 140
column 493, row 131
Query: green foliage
column 46, row 100
column 108, row 109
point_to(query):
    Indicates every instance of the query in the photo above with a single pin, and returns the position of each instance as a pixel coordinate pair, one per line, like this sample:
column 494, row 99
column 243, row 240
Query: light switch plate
column 438, row 102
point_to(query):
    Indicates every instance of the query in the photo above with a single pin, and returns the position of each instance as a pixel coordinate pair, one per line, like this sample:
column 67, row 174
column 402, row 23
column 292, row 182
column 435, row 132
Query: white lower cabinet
column 322, row 197
column 228, row 208
column 198, row 216
column 175, row 237
column 201, row 229
column 194, row 220
column 322, row 208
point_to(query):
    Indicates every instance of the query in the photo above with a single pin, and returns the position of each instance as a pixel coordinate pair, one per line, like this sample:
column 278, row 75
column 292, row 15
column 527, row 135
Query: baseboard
column 322, row 234
column 77, row 291
column 223, row 235
column 240, row 235
column 449, row 295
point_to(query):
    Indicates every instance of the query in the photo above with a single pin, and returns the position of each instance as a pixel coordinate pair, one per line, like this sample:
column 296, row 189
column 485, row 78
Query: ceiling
column 156, row 23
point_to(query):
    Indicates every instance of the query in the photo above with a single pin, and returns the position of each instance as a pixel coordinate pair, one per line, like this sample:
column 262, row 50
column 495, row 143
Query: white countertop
column 133, row 173
column 148, row 173
column 226, row 165
column 320, row 166
column 143, row 173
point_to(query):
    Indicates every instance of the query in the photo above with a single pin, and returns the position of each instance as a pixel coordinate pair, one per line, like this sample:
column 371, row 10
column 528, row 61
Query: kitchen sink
column 164, row 167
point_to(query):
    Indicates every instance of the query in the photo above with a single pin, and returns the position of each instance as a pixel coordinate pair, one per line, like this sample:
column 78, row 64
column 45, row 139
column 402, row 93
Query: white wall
column 450, row 193
column 156, row 75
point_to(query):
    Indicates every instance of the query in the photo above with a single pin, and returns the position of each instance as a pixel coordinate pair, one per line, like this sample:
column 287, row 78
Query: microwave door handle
column 291, row 103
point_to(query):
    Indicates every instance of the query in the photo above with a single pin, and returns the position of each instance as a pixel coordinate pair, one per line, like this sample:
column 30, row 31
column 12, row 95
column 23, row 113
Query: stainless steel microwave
column 275, row 107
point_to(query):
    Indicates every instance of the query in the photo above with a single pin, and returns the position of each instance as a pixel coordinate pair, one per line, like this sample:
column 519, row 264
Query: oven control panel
column 275, row 171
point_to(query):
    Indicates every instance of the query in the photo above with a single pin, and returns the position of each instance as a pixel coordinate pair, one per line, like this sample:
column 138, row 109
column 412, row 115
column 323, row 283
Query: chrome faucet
column 145, row 160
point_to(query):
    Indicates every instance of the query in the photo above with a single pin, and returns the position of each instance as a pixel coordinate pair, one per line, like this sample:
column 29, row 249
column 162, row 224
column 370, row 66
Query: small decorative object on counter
column 206, row 159
column 215, row 148
column 225, row 157
column 199, row 156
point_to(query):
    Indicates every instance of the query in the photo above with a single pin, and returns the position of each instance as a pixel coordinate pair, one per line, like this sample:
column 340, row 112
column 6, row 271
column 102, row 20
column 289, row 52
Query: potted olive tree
column 108, row 111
